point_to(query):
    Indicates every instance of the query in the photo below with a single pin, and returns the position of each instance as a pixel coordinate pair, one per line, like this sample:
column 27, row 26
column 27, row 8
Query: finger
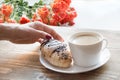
column 40, row 40
column 31, row 37
column 36, row 25
column 43, row 27
column 36, row 34
column 56, row 35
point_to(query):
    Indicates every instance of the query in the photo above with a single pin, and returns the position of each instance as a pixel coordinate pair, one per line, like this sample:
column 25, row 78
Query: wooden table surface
column 21, row 61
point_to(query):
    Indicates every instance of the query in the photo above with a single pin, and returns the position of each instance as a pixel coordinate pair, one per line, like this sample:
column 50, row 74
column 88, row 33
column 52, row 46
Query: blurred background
column 95, row 14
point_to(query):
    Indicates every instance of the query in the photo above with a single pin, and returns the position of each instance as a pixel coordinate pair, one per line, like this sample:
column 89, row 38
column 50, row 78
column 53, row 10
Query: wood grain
column 21, row 61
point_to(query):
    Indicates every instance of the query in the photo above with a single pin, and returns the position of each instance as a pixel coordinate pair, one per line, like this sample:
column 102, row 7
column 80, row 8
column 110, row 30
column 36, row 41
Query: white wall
column 98, row 14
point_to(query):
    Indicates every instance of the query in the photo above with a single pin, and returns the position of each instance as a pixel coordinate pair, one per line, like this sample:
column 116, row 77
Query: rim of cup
column 85, row 33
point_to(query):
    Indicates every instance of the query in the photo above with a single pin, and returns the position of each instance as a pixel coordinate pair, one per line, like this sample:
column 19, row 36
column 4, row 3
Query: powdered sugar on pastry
column 57, row 53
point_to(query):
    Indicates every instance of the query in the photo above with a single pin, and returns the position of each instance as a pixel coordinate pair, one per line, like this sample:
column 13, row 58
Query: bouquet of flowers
column 56, row 12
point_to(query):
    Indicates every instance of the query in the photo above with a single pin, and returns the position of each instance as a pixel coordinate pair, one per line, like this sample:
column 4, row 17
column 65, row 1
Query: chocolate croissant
column 57, row 53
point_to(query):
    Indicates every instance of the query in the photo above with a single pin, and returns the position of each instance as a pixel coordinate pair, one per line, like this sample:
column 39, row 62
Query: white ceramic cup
column 86, row 47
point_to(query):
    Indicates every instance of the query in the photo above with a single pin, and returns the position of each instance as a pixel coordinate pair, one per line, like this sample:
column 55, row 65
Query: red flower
column 58, row 13
column 36, row 18
column 54, row 22
column 59, row 16
column 6, row 10
column 71, row 11
column 43, row 12
column 71, row 23
column 59, row 7
column 67, row 1
column 45, row 20
column 11, row 21
column 24, row 20
column 56, row 18
column 71, row 14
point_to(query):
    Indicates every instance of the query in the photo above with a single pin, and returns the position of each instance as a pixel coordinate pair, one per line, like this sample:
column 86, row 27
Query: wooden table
column 21, row 61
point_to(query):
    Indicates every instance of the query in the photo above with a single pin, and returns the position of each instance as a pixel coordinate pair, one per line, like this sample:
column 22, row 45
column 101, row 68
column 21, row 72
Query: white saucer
column 105, row 56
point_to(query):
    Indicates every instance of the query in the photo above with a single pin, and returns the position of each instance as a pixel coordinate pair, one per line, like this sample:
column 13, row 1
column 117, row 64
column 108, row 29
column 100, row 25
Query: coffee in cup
column 85, row 39
column 86, row 47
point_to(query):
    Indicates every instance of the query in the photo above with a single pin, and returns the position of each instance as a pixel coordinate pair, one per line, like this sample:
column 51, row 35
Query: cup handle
column 105, row 43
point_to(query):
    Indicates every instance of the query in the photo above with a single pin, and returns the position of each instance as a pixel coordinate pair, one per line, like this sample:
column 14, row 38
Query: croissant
column 56, row 53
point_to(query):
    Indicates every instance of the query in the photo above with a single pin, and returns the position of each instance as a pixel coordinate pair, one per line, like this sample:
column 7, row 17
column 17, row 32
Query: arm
column 27, row 33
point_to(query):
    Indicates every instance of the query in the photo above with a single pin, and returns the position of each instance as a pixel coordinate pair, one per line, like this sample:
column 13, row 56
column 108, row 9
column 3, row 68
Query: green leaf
column 40, row 2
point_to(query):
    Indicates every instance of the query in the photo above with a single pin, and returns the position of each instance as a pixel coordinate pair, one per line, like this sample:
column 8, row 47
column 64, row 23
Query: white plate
column 105, row 56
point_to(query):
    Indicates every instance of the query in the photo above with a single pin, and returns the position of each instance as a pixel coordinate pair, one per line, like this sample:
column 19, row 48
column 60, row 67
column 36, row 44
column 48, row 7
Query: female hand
column 28, row 33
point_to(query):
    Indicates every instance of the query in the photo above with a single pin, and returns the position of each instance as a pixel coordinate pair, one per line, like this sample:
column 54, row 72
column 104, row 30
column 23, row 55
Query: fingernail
column 48, row 37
